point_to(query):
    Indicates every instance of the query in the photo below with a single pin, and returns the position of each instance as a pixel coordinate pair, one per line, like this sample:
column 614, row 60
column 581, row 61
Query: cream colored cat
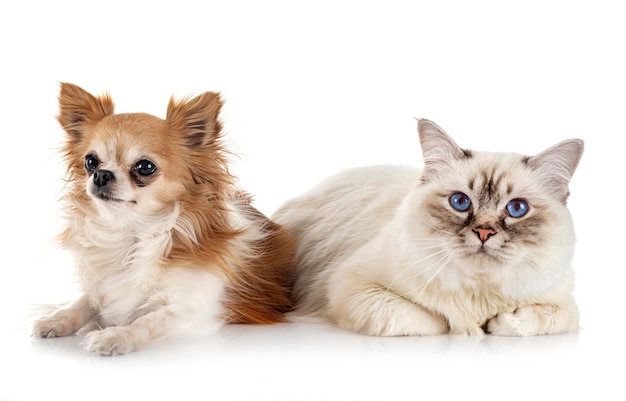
column 473, row 242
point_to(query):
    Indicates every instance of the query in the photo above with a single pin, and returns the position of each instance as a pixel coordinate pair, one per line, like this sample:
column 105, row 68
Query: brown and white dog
column 166, row 245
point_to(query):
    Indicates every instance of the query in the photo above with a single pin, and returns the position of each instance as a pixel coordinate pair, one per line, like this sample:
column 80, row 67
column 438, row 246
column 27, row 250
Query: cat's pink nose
column 484, row 232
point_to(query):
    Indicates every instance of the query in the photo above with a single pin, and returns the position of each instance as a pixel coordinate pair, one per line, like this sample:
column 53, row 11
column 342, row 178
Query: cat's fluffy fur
column 382, row 251
column 166, row 244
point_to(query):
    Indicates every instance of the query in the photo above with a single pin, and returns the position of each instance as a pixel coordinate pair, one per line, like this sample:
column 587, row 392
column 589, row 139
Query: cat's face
column 495, row 210
column 491, row 209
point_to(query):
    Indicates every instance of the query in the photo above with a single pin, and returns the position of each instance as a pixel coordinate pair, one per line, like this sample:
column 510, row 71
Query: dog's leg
column 162, row 325
column 191, row 306
column 65, row 321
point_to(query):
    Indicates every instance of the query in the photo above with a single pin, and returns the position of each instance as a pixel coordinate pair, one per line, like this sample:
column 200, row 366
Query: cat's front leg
column 537, row 319
column 371, row 309
column 65, row 321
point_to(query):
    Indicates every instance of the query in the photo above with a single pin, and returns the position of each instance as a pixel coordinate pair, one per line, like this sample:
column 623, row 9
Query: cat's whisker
column 442, row 266
column 424, row 240
column 428, row 247
column 441, row 263
column 350, row 236
column 436, row 264
column 356, row 262
column 438, row 228
column 422, row 272
column 369, row 207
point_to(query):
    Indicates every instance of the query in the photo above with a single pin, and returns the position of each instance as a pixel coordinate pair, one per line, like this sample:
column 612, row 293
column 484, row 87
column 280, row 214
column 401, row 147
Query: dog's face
column 130, row 163
column 139, row 163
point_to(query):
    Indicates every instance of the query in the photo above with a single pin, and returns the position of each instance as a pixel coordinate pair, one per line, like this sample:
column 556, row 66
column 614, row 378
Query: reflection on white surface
column 319, row 339
column 313, row 361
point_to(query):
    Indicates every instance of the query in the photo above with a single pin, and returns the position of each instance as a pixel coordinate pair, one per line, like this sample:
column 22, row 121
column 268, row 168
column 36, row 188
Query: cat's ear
column 438, row 149
column 557, row 165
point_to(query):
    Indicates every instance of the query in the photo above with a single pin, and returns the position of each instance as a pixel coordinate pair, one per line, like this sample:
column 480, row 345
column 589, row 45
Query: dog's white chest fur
column 119, row 270
column 123, row 279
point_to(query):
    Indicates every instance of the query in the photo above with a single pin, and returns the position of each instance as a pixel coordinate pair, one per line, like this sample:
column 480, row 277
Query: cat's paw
column 402, row 319
column 521, row 322
column 111, row 341
column 418, row 323
column 536, row 319
column 59, row 324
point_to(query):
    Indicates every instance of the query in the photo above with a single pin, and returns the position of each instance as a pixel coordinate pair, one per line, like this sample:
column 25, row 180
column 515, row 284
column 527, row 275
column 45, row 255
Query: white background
column 311, row 88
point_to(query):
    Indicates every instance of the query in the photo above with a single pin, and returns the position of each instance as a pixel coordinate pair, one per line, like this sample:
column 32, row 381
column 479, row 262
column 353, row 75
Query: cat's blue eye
column 460, row 202
column 517, row 208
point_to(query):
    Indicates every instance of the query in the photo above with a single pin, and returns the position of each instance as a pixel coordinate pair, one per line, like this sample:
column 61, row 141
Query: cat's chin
column 485, row 256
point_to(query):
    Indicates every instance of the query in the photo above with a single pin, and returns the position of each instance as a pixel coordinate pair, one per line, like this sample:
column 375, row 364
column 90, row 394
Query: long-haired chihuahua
column 166, row 244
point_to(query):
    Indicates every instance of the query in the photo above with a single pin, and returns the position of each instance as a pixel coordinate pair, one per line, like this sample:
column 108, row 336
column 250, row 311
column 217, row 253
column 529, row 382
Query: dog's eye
column 91, row 163
column 145, row 167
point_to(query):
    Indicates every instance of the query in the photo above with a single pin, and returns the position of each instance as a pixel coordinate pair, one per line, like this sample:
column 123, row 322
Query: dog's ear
column 196, row 118
column 78, row 107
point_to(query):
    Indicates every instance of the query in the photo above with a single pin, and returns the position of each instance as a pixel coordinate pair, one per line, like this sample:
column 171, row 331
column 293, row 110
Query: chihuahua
column 166, row 244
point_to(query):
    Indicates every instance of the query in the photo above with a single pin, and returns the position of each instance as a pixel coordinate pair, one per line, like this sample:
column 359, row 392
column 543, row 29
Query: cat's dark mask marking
column 490, row 189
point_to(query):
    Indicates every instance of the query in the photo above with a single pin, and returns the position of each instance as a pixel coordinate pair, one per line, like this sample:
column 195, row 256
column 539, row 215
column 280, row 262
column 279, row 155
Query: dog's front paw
column 59, row 324
column 521, row 322
column 111, row 341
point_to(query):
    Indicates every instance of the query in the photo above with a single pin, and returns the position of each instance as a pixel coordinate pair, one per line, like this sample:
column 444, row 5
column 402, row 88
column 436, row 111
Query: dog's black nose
column 102, row 177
